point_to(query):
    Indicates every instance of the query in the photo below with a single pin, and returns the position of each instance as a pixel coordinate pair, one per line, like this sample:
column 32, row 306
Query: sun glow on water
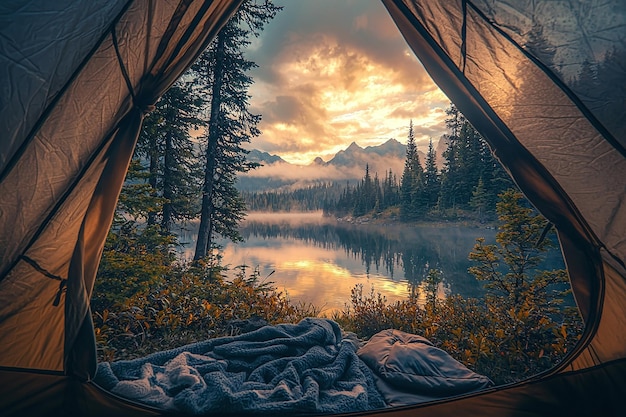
column 314, row 275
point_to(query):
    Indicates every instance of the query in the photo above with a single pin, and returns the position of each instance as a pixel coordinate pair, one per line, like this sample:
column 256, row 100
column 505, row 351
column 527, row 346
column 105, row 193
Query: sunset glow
column 336, row 72
column 313, row 275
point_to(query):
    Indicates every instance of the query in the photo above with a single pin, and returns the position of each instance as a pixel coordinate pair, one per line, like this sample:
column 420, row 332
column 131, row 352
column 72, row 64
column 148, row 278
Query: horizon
column 295, row 175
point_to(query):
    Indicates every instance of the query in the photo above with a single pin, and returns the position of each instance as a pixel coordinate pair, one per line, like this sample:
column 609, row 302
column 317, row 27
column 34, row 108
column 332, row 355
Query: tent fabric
column 77, row 78
column 559, row 154
column 68, row 148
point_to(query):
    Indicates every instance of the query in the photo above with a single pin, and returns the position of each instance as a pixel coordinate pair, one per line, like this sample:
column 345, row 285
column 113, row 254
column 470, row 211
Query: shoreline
column 394, row 221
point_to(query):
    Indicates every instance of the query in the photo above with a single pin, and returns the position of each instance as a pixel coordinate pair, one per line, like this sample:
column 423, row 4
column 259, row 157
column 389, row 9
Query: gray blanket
column 304, row 367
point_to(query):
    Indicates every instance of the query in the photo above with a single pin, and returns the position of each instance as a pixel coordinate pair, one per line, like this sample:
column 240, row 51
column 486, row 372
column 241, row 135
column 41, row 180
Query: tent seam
column 556, row 80
column 188, row 32
column 45, row 113
column 584, row 231
column 17, row 155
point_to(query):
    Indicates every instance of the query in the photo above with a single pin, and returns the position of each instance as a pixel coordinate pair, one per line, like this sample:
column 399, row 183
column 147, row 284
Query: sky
column 333, row 72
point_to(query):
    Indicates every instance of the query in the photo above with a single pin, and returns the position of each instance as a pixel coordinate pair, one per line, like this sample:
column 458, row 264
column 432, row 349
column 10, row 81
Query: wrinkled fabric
column 304, row 367
column 410, row 369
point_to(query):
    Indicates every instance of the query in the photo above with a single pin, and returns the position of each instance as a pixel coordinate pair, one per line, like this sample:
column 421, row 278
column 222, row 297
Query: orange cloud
column 339, row 72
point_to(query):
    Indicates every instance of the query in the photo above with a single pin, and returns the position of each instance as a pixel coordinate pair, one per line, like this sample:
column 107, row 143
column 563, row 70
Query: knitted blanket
column 309, row 367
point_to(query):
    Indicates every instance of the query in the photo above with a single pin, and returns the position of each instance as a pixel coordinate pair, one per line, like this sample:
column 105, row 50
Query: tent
column 77, row 78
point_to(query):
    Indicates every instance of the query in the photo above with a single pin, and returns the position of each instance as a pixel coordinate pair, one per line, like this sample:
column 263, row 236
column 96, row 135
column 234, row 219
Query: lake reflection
column 319, row 261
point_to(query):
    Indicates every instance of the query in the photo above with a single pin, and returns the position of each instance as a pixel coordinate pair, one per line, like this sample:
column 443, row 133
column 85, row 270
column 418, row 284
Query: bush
column 145, row 301
column 521, row 327
column 192, row 303
column 134, row 259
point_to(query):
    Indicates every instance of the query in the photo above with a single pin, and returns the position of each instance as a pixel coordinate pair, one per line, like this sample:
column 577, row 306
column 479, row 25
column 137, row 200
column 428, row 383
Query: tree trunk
column 154, row 171
column 206, row 212
column 166, row 221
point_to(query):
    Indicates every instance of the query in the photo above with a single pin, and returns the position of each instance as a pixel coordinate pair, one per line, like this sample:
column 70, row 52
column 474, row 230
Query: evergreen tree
column 521, row 296
column 495, row 181
column 365, row 195
column 166, row 145
column 450, row 177
column 378, row 195
column 411, row 185
column 369, row 190
column 468, row 160
column 223, row 69
column 470, row 163
column 137, row 198
column 431, row 178
column 521, row 246
column 480, row 200
column 391, row 192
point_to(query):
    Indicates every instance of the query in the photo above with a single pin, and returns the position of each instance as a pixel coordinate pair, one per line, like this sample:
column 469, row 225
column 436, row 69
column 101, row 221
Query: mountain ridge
column 390, row 147
column 346, row 165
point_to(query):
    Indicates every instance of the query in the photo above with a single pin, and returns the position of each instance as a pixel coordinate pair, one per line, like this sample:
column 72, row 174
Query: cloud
column 331, row 73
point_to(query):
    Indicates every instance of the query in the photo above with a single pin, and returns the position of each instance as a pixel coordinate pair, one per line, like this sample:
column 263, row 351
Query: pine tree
column 223, row 68
column 391, row 196
column 523, row 299
column 495, row 180
column 468, row 159
column 166, row 145
column 378, row 196
column 450, row 177
column 361, row 203
column 411, row 186
column 470, row 164
column 480, row 200
column 521, row 247
column 431, row 178
column 137, row 198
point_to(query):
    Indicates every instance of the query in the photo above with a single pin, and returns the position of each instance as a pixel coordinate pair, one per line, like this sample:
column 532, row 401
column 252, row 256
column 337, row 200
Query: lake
column 317, row 260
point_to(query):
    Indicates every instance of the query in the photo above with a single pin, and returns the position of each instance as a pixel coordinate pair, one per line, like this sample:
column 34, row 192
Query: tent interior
column 80, row 76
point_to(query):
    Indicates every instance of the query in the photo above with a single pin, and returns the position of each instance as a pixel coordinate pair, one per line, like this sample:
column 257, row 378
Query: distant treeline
column 311, row 198
column 467, row 185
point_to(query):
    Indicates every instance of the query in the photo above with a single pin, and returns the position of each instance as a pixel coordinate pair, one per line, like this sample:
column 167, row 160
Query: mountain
column 355, row 155
column 390, row 148
column 346, row 165
column 352, row 155
column 264, row 158
column 318, row 161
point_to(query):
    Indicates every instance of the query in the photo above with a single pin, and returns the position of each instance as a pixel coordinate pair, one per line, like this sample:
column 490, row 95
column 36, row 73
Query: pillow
column 412, row 364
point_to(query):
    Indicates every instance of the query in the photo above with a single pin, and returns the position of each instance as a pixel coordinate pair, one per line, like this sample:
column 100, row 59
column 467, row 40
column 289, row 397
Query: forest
column 146, row 299
column 466, row 188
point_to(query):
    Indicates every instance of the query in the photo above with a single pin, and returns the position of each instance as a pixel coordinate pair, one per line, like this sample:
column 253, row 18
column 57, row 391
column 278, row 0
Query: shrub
column 521, row 327
column 193, row 303
column 145, row 301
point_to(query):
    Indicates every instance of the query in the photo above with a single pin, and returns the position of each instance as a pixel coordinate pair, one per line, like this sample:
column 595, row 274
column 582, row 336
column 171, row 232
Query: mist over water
column 317, row 260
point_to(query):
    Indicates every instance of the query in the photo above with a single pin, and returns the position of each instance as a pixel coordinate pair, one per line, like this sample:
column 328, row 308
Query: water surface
column 316, row 260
